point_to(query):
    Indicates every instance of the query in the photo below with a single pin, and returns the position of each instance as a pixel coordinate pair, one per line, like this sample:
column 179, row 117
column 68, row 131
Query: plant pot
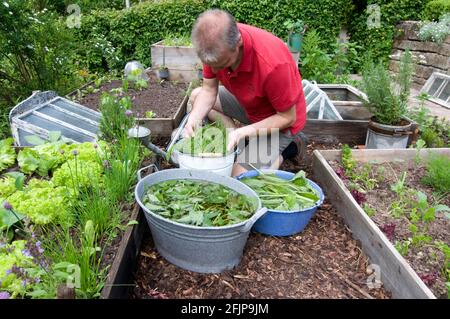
column 383, row 136
column 295, row 42
column 163, row 74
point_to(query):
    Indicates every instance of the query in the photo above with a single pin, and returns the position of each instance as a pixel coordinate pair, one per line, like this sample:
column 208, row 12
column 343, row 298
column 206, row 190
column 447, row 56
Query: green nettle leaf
column 280, row 194
column 34, row 140
column 198, row 203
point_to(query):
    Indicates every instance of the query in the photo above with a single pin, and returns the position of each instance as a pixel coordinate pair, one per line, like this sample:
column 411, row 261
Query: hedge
column 114, row 37
column 378, row 41
column 434, row 9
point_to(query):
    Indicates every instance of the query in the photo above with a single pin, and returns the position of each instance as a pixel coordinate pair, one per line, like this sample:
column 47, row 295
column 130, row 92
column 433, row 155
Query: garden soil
column 162, row 98
column 426, row 260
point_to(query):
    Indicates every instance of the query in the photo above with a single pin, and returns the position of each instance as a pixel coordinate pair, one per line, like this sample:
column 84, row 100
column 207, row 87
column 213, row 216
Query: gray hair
column 212, row 28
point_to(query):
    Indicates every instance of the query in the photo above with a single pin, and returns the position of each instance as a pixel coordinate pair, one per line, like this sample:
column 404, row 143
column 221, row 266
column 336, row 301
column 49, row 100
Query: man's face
column 227, row 59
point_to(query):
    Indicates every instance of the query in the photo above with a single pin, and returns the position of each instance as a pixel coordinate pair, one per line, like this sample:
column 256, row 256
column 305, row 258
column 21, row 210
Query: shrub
column 435, row 8
column 436, row 31
column 378, row 40
column 129, row 33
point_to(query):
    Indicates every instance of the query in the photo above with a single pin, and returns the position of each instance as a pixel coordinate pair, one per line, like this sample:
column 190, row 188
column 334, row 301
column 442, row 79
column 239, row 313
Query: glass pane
column 436, row 84
column 445, row 92
column 311, row 97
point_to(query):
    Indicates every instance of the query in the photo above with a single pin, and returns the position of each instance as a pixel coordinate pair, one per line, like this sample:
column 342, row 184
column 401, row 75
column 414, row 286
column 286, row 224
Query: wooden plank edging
column 396, row 273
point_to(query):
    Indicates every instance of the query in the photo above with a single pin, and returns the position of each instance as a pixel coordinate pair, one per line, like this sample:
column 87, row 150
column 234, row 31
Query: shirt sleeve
column 283, row 87
column 208, row 73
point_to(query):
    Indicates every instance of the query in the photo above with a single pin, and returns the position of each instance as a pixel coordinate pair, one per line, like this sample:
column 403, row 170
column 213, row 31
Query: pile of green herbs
column 198, row 203
column 281, row 194
column 211, row 139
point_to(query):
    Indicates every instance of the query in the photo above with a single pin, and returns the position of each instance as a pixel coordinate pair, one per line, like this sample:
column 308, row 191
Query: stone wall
column 429, row 56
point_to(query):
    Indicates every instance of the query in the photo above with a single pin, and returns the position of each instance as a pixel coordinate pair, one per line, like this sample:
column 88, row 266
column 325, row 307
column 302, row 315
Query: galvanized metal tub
column 199, row 249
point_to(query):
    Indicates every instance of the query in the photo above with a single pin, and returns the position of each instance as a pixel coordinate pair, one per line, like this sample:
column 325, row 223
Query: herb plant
column 387, row 96
column 438, row 173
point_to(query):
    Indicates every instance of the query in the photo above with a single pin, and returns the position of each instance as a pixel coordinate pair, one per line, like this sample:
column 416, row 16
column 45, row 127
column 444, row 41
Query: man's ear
column 240, row 42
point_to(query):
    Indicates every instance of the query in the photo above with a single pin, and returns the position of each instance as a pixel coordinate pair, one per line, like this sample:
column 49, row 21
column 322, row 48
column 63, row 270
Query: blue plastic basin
column 284, row 223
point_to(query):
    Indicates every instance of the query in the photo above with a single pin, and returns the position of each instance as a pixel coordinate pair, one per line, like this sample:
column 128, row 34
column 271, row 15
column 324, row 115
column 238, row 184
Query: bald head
column 214, row 32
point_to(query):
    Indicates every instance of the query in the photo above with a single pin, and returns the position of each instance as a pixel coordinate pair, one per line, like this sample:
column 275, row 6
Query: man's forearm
column 276, row 121
column 202, row 105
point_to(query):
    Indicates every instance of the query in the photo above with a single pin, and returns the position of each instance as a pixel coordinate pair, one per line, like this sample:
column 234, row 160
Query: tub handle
column 139, row 172
column 253, row 219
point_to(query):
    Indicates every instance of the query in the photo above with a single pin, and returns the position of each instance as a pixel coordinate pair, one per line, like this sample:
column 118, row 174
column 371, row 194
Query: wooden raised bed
column 159, row 126
column 396, row 273
column 119, row 281
column 165, row 126
column 353, row 128
column 180, row 60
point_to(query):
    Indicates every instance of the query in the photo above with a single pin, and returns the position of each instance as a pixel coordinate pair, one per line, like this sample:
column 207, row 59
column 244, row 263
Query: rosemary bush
column 387, row 96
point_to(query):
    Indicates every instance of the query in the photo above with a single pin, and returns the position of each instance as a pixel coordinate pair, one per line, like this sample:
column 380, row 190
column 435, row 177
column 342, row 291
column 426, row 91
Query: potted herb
column 387, row 100
column 295, row 29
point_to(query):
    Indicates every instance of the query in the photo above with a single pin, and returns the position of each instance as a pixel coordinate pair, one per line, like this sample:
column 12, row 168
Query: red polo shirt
column 267, row 80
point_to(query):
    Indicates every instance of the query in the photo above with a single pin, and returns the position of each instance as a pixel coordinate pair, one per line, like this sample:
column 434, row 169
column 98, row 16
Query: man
column 262, row 87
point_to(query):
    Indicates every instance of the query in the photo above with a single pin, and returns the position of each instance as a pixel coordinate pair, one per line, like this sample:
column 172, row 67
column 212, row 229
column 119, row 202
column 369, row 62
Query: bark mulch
column 323, row 261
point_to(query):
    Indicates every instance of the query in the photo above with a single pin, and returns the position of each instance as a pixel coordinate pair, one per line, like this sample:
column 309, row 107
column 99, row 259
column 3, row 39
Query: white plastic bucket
column 222, row 165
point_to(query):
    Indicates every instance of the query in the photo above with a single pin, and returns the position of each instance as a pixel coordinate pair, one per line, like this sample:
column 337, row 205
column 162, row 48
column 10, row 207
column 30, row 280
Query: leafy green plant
column 294, row 26
column 399, row 187
column 117, row 117
column 387, row 97
column 280, row 194
column 369, row 210
column 120, row 167
column 403, row 247
column 15, row 257
column 149, row 114
column 84, row 255
column 177, row 40
column 348, row 162
column 316, row 64
column 42, row 202
column 198, row 203
column 7, row 153
column 438, row 173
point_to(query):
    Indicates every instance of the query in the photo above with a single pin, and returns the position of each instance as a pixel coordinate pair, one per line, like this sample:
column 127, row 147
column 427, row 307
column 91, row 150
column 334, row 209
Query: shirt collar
column 247, row 58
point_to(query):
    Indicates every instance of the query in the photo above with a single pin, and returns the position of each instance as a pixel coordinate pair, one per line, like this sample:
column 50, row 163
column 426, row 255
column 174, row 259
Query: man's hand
column 191, row 125
column 234, row 137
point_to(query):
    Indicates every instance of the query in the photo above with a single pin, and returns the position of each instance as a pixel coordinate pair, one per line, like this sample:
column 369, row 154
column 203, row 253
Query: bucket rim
column 235, row 152
column 275, row 171
column 193, row 227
